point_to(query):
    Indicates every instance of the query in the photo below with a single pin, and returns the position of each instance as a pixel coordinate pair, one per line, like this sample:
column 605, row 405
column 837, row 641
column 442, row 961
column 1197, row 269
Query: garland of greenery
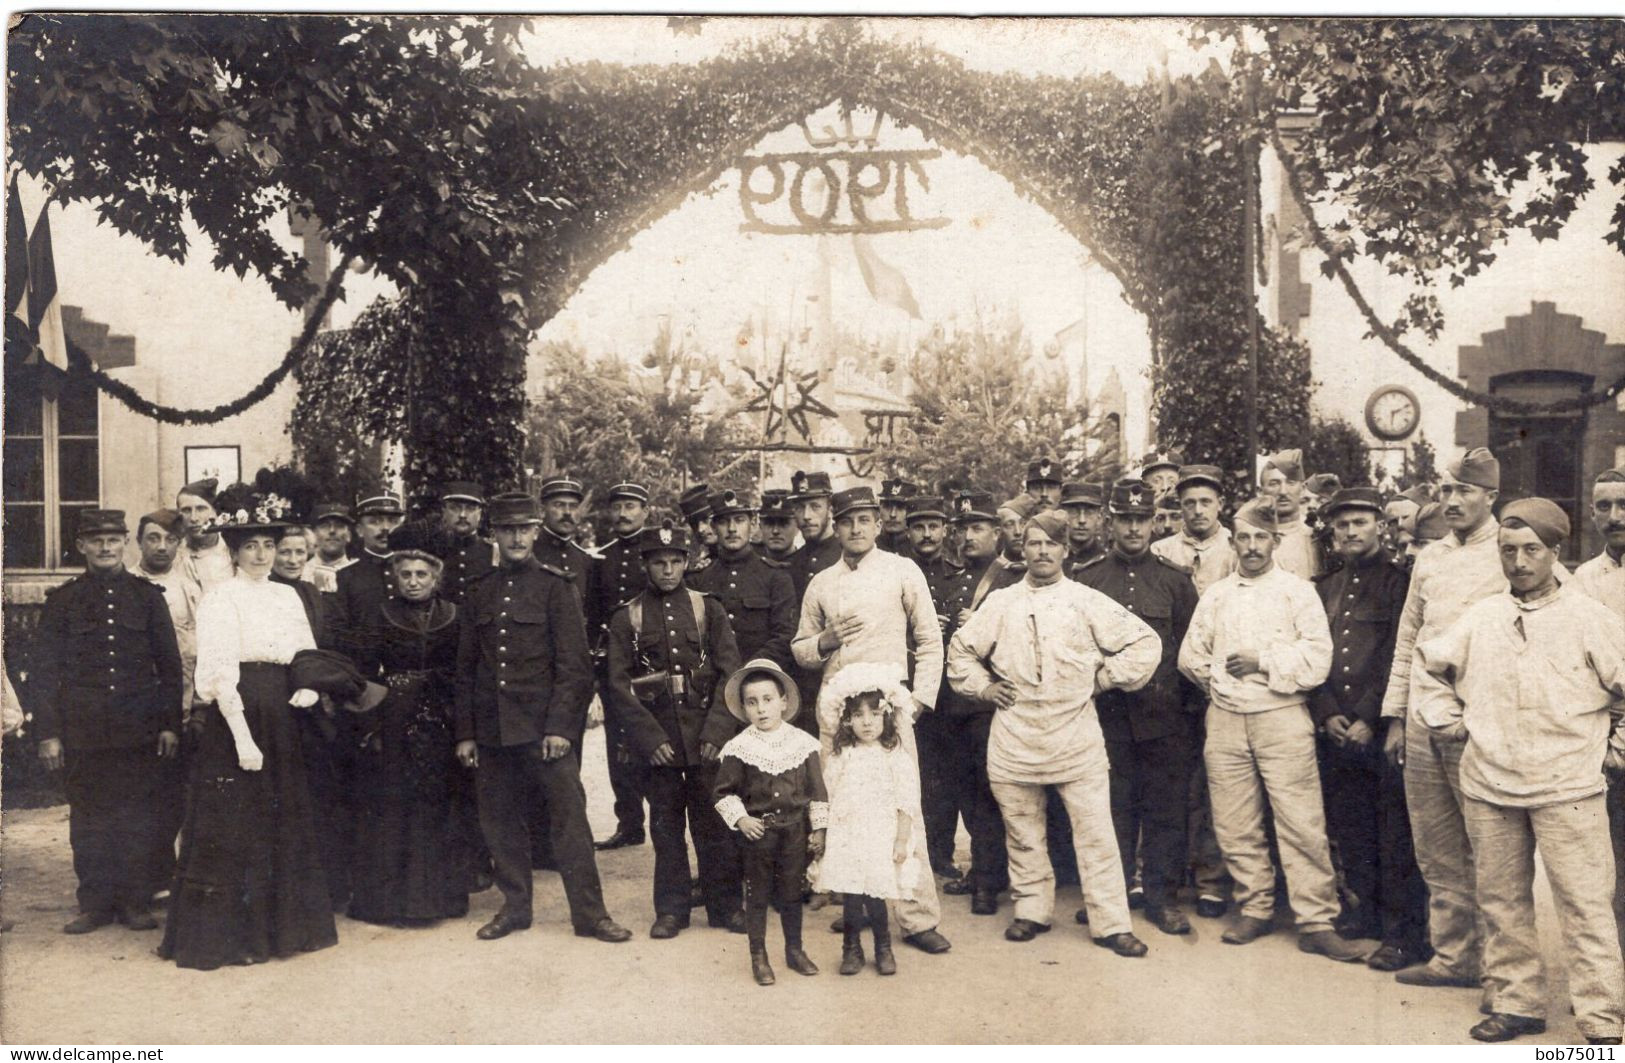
column 80, row 363
column 1390, row 338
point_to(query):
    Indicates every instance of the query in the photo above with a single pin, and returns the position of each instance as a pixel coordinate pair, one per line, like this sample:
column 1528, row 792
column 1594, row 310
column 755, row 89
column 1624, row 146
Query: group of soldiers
column 1308, row 711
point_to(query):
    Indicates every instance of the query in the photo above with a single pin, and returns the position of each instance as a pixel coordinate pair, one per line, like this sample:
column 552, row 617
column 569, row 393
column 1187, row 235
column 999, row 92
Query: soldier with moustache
column 334, row 528
column 1043, row 484
column 894, row 496
column 695, row 506
column 561, row 499
column 1159, row 472
column 364, row 586
column 614, row 580
column 809, row 496
column 756, row 593
column 1084, row 506
column 467, row 557
column 1152, row 738
column 777, row 523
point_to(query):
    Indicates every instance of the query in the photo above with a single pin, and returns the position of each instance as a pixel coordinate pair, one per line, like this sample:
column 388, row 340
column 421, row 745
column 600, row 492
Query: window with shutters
column 52, row 470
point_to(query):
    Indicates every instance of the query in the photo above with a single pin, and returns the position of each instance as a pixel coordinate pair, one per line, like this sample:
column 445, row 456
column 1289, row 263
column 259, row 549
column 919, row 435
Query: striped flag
column 33, row 307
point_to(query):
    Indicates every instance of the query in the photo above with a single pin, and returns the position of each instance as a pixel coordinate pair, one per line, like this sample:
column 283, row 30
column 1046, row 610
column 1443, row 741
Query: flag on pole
column 886, row 283
column 44, row 305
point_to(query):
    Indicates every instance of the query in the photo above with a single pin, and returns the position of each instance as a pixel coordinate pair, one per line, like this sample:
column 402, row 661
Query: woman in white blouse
column 250, row 883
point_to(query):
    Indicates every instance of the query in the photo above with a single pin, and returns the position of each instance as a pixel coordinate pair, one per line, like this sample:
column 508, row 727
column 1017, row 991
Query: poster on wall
column 224, row 464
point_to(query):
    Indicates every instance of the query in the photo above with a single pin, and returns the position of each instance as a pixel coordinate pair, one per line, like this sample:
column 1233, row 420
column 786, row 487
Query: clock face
column 1392, row 412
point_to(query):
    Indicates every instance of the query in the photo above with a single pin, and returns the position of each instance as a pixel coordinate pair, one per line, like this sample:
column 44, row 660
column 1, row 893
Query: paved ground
column 545, row 985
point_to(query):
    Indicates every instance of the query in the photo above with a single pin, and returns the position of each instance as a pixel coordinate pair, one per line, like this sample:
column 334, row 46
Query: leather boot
column 851, row 952
column 794, row 957
column 759, row 967
column 885, row 962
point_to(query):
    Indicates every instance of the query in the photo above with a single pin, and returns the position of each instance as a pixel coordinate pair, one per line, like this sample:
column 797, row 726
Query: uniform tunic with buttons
column 612, row 581
column 760, row 599
column 567, row 556
column 362, row 590
column 1161, row 594
column 810, row 559
column 669, row 641
column 108, row 674
column 467, row 558
column 523, row 670
column 1364, row 600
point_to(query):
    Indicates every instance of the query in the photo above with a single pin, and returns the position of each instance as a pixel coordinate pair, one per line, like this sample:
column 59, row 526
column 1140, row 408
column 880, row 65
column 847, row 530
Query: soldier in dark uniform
column 616, row 578
column 1151, row 732
column 778, row 527
column 810, row 494
column 1044, row 483
column 671, row 651
column 1085, row 508
column 363, row 586
column 107, row 707
column 894, row 496
column 927, row 523
column 757, row 594
column 524, row 677
column 696, row 511
column 1366, row 815
column 1159, row 471
column 556, row 545
column 466, row 556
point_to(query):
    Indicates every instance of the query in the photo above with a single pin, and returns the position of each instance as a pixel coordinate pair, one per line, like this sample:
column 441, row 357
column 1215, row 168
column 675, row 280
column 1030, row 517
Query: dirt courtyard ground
column 440, row 984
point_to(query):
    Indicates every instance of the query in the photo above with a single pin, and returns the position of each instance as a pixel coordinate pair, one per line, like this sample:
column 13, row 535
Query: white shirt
column 246, row 619
column 182, row 595
column 1209, row 560
column 1297, row 553
column 1277, row 616
column 1058, row 645
column 891, row 595
column 324, row 575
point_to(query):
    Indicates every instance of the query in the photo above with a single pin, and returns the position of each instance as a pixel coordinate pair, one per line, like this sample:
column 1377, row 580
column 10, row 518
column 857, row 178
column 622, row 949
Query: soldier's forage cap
column 1288, row 462
column 805, row 485
column 775, row 505
column 760, row 668
column 693, row 504
column 1132, row 499
column 1023, row 505
column 331, row 511
column 1354, row 498
column 462, row 491
column 898, row 490
column 1324, row 483
column 1259, row 513
column 1053, row 523
column 1087, row 493
column 727, row 502
column 101, row 522
column 513, row 507
column 974, row 505
column 846, row 501
column 669, row 536
column 1430, row 523
column 1477, row 467
column 1161, row 459
column 636, row 492
column 926, row 507
column 1610, row 476
column 1168, row 503
column 385, row 502
column 1421, row 494
column 1540, row 515
column 167, row 519
column 1200, row 476
column 203, row 489
column 1043, row 471
column 561, row 486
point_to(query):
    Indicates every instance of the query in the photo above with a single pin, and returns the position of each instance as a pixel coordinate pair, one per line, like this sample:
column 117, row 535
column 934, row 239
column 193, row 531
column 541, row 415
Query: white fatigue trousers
column 1574, row 847
column 1444, row 853
column 1249, row 755
column 1088, row 803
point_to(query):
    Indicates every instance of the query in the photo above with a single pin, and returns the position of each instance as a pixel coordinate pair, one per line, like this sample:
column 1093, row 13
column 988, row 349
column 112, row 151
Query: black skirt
column 250, row 884
column 413, row 858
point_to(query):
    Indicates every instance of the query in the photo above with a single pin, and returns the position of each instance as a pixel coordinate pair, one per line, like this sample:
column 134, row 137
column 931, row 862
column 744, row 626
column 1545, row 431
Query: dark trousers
column 967, row 772
column 774, row 869
column 326, row 743
column 680, row 797
column 505, row 780
column 1150, row 785
column 1367, row 822
column 628, row 774
column 119, row 801
column 939, row 789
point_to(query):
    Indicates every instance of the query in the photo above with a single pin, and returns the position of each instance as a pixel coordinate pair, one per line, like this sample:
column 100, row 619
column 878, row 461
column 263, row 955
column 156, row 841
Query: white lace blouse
column 246, row 619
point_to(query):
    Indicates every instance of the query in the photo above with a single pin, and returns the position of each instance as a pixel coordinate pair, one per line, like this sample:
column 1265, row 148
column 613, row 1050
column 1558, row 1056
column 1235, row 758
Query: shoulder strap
column 696, row 601
column 634, row 613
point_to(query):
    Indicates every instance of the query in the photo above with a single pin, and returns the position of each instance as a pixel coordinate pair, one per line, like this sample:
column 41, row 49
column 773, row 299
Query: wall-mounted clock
column 1392, row 412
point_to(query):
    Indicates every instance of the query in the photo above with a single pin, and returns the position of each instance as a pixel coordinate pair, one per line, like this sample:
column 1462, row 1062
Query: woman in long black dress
column 413, row 859
column 250, row 884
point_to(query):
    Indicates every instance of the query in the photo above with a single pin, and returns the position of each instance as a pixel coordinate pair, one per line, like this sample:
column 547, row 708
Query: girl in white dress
column 874, row 808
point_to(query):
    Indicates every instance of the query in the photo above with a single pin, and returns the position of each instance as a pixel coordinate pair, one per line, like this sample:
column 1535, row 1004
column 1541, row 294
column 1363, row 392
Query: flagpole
column 1249, row 162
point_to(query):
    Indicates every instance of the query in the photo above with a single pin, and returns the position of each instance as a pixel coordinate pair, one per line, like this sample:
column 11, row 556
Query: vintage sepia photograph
column 693, row 529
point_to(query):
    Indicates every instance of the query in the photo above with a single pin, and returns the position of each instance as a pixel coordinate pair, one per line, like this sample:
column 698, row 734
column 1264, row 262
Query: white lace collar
column 774, row 752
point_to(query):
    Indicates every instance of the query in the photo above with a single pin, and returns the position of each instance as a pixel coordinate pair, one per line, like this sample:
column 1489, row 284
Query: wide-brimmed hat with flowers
column 860, row 678
column 242, row 508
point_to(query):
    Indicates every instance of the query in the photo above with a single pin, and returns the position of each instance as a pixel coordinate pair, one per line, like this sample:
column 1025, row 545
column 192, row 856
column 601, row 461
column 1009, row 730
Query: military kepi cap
column 974, row 505
column 1354, row 498
column 727, row 502
column 926, row 507
column 853, row 498
column 1168, row 503
column 1477, row 467
column 1610, row 476
column 775, row 505
column 1540, row 515
column 805, row 485
column 693, row 505
column 1074, row 493
column 1197, row 475
column 101, row 522
column 669, row 536
column 331, row 511
column 636, row 492
column 1044, row 471
column 513, row 507
column 562, row 485
column 1161, row 459
column 462, row 491
column 384, row 502
column 1132, row 499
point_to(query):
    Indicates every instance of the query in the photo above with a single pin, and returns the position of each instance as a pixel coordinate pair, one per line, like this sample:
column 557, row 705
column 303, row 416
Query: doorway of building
column 1542, row 455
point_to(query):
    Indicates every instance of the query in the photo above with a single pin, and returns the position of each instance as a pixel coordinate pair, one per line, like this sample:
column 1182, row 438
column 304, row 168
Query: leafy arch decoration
column 1148, row 177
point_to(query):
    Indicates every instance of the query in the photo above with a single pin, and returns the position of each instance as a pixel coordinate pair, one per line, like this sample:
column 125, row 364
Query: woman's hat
column 861, row 678
column 241, row 508
column 752, row 669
